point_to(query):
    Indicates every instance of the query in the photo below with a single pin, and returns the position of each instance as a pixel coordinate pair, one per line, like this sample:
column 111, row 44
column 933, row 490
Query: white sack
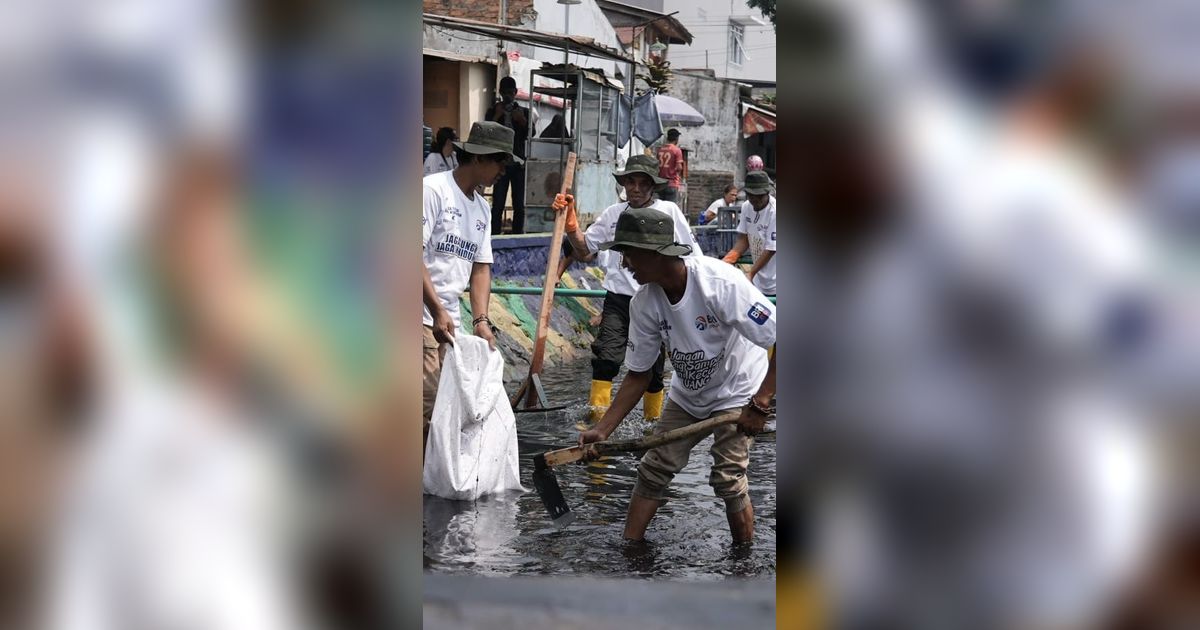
column 472, row 448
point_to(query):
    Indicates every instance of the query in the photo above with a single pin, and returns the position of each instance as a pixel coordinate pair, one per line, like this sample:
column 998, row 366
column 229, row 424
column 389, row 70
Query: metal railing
column 563, row 292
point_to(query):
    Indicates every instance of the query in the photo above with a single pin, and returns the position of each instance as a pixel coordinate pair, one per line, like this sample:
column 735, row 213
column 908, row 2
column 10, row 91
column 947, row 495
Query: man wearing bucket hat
column 717, row 327
column 639, row 178
column 457, row 246
column 756, row 232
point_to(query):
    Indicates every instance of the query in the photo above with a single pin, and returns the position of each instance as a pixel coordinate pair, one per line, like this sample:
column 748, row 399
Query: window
column 735, row 50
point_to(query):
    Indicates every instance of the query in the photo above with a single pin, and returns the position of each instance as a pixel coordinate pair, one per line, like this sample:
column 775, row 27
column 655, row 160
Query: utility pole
column 566, row 31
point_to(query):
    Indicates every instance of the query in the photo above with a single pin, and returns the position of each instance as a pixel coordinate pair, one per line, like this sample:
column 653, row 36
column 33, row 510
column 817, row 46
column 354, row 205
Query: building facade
column 728, row 37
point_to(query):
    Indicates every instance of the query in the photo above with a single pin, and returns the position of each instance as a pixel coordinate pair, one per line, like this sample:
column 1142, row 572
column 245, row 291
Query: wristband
column 483, row 318
column 763, row 410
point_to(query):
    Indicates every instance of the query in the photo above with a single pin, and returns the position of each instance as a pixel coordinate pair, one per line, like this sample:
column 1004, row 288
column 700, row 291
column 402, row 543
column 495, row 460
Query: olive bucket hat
column 757, row 183
column 647, row 228
column 643, row 164
column 489, row 137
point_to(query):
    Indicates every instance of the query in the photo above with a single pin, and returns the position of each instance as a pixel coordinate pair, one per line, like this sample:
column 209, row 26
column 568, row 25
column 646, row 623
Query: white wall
column 714, row 145
column 708, row 21
column 476, row 93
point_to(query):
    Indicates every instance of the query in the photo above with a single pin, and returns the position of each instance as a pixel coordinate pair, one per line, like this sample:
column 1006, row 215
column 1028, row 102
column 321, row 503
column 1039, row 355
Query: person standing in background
column 557, row 128
column 670, row 161
column 442, row 157
column 507, row 112
column 726, row 199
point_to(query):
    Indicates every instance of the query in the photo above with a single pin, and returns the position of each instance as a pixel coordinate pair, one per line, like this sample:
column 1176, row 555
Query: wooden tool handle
column 575, row 453
column 543, row 322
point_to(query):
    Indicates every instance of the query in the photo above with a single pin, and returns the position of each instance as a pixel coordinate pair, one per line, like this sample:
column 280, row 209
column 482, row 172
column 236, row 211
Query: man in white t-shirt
column 756, row 232
column 717, row 327
column 456, row 246
column 639, row 178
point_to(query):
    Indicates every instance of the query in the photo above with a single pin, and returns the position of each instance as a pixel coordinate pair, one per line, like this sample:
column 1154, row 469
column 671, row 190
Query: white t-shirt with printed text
column 617, row 279
column 759, row 228
column 717, row 336
column 455, row 233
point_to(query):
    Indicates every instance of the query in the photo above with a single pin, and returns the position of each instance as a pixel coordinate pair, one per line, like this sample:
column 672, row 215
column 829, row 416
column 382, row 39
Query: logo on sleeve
column 759, row 314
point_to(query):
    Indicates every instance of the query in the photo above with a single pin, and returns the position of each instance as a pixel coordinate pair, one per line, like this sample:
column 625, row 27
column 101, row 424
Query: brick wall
column 703, row 188
column 520, row 12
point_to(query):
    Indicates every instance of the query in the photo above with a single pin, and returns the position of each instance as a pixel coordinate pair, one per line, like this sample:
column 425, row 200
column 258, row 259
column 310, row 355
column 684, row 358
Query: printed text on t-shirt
column 457, row 246
column 692, row 370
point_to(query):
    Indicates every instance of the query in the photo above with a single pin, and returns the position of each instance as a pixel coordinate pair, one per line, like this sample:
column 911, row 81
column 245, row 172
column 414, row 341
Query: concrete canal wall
column 520, row 260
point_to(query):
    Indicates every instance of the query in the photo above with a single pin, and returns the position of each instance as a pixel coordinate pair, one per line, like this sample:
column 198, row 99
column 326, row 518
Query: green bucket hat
column 643, row 164
column 757, row 183
column 489, row 137
column 647, row 228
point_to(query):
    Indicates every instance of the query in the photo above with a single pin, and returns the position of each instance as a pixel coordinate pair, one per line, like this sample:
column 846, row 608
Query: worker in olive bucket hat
column 640, row 180
column 717, row 327
column 457, row 247
column 756, row 232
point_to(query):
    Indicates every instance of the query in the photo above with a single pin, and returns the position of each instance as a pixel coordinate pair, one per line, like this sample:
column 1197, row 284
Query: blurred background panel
column 996, row 289
column 204, row 401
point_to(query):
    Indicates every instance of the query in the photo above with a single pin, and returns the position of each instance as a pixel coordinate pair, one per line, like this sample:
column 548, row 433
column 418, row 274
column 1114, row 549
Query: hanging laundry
column 646, row 125
column 621, row 115
column 637, row 117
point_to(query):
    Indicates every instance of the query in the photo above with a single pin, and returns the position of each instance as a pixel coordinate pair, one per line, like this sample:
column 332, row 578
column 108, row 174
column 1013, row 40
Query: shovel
column 547, row 484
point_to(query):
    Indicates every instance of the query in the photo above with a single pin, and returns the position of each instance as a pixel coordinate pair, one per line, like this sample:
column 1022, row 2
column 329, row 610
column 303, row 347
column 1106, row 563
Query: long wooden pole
column 576, row 453
column 539, row 344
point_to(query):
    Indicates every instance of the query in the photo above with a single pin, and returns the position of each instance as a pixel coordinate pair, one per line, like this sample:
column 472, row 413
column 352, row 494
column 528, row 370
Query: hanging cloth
column 637, row 117
column 646, row 125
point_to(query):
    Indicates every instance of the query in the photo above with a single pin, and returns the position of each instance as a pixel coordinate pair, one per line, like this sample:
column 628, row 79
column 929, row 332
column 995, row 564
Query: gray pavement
column 467, row 602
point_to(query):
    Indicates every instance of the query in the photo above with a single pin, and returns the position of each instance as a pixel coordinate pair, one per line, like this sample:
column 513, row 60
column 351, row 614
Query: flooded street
column 688, row 539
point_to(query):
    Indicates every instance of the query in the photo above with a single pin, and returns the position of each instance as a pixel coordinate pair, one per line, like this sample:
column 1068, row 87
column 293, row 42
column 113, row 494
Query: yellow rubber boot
column 600, row 398
column 652, row 403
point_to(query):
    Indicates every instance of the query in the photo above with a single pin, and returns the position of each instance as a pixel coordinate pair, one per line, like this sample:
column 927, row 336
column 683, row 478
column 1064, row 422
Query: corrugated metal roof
column 554, row 41
column 665, row 22
column 453, row 56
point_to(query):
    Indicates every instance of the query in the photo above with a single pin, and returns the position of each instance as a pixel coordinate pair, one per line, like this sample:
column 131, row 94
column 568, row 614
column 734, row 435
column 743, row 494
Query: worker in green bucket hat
column 717, row 328
column 640, row 180
column 456, row 247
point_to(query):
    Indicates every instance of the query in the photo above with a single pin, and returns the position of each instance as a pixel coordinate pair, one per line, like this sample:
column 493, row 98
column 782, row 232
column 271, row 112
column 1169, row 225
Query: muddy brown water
column 688, row 539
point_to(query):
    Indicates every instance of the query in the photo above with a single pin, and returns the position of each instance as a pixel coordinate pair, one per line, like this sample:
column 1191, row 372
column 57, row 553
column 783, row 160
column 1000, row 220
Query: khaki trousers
column 431, row 373
column 730, row 453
